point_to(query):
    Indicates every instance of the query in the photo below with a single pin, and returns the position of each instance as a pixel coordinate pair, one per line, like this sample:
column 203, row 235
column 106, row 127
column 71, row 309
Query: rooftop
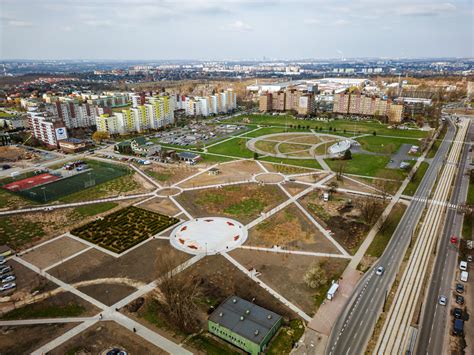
column 245, row 318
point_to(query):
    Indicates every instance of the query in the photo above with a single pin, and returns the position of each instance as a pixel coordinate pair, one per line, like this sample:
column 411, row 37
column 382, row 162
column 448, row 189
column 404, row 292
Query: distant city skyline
column 234, row 29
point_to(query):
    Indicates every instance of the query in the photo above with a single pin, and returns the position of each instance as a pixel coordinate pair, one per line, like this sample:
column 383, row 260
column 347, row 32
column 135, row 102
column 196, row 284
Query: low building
column 189, row 157
column 138, row 146
column 244, row 324
column 73, row 145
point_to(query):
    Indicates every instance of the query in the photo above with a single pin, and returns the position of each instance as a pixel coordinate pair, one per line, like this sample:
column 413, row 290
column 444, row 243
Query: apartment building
column 47, row 128
column 74, row 114
column 157, row 112
column 109, row 100
column 357, row 104
column 290, row 100
column 222, row 102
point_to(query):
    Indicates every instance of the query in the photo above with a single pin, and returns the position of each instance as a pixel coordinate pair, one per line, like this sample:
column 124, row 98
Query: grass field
column 235, row 147
column 340, row 125
column 383, row 144
column 382, row 238
column 33, row 311
column 288, row 335
column 92, row 210
column 16, row 232
column 468, row 223
column 368, row 165
column 416, row 180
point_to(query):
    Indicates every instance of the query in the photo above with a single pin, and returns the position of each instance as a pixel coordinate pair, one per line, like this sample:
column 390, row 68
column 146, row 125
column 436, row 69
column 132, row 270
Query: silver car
column 8, row 286
column 8, row 278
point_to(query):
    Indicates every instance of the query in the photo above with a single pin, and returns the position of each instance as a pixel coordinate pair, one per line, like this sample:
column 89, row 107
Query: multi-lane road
column 435, row 321
column 355, row 325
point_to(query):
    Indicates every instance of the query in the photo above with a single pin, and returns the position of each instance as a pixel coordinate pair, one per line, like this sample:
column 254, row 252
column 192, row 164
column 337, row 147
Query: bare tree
column 340, row 169
column 315, row 276
column 385, row 183
column 370, row 208
column 177, row 292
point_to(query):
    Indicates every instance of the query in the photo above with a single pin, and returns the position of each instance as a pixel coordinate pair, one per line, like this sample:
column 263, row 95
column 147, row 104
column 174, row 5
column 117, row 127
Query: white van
column 464, row 276
column 326, row 196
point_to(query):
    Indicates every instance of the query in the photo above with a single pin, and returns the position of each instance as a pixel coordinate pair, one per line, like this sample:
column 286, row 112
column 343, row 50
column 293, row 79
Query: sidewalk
column 329, row 311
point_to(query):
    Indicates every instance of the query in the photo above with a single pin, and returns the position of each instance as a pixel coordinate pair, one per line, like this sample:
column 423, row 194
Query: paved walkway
column 295, row 252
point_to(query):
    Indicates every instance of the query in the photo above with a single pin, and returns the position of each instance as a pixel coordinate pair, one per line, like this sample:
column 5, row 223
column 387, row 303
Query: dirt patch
column 220, row 279
column 270, row 178
column 285, row 169
column 352, row 185
column 284, row 273
column 104, row 336
column 138, row 264
column 161, row 205
column 169, row 191
column 16, row 340
column 53, row 252
column 242, row 202
column 231, row 172
column 293, row 187
column 12, row 154
column 108, row 293
column 342, row 216
column 292, row 230
column 167, row 175
column 312, row 178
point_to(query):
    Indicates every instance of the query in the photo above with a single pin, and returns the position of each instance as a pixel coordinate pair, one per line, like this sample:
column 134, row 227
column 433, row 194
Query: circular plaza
column 208, row 235
column 293, row 145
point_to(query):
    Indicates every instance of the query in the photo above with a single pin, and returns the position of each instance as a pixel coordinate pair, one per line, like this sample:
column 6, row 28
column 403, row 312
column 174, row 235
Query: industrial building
column 244, row 324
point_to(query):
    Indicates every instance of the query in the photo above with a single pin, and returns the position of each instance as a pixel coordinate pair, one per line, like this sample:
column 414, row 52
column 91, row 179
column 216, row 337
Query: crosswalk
column 440, row 203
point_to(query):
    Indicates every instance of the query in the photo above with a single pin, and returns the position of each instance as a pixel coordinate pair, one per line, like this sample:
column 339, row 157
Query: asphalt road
column 436, row 319
column 355, row 325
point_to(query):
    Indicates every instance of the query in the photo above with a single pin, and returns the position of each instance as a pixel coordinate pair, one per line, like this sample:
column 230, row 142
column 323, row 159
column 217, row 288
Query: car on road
column 459, row 300
column 459, row 288
column 443, row 300
column 457, row 313
column 463, row 265
column 454, row 239
column 8, row 286
column 8, row 278
column 5, row 269
column 380, row 270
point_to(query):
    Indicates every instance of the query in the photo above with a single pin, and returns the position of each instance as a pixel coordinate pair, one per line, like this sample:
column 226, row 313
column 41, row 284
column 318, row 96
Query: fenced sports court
column 98, row 173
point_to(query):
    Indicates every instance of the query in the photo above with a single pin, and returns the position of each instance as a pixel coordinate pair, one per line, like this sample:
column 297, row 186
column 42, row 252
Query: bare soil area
column 310, row 178
column 161, row 205
column 169, row 174
column 290, row 229
column 285, row 169
column 352, row 185
column 229, row 172
column 53, row 252
column 284, row 273
column 108, row 294
column 104, row 336
column 293, row 187
column 12, row 154
column 138, row 264
column 16, row 340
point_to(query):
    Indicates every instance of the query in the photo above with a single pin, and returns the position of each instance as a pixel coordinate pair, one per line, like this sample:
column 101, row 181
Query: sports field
column 98, row 174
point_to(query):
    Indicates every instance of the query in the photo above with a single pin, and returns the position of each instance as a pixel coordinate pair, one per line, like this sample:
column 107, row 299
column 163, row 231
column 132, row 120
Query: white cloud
column 425, row 9
column 239, row 26
column 19, row 23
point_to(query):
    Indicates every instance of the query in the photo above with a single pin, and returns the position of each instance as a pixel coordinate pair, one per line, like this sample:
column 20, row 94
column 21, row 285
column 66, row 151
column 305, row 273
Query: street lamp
column 44, row 193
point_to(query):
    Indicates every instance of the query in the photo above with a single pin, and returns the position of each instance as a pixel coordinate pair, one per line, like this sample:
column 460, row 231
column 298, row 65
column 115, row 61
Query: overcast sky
column 234, row 29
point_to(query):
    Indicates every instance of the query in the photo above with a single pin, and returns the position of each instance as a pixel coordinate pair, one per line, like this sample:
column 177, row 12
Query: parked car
column 2, row 260
column 464, row 276
column 4, row 269
column 458, row 327
column 457, row 313
column 380, row 270
column 8, row 278
column 442, row 300
column 7, row 286
column 459, row 288
column 116, row 351
column 459, row 299
column 463, row 265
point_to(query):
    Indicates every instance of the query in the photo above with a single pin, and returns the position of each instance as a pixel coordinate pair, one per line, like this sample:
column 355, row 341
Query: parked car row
column 460, row 316
column 7, row 276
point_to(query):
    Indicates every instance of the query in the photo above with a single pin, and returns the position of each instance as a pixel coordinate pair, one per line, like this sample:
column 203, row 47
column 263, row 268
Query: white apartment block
column 43, row 126
column 222, row 102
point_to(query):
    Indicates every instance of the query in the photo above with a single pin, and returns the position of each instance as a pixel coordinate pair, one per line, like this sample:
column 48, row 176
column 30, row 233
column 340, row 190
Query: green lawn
column 209, row 158
column 468, row 224
column 235, row 147
column 4, row 114
column 383, row 144
column 246, row 207
column 340, row 125
column 209, row 345
column 416, row 180
column 32, row 311
column 92, row 210
column 368, row 165
column 272, row 130
column 283, row 342
column 383, row 237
